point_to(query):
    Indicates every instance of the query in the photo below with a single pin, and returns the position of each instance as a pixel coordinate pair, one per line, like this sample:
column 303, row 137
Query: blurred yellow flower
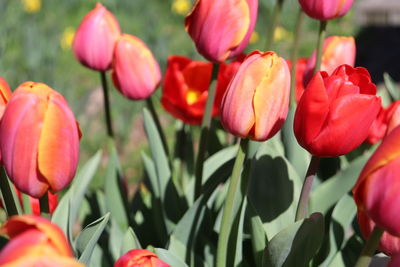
column 180, row 7
column 281, row 34
column 31, row 6
column 254, row 37
column 67, row 38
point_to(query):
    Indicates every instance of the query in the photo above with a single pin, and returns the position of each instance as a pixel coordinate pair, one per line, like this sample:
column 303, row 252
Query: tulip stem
column 205, row 129
column 294, row 56
column 370, row 247
column 274, row 22
column 9, row 199
column 153, row 113
column 107, row 108
column 320, row 44
column 44, row 206
column 227, row 220
column 302, row 207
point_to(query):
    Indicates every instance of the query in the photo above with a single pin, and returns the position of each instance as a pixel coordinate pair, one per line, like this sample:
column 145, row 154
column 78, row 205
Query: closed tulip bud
column 39, row 140
column 256, row 102
column 326, row 9
column 140, row 258
column 221, row 29
column 35, row 241
column 136, row 73
column 377, row 191
column 337, row 50
column 331, row 106
column 95, row 39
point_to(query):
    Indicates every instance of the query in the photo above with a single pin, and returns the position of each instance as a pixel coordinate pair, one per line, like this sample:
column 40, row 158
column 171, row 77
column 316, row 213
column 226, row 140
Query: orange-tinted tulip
column 337, row 50
column 35, row 241
column 221, row 29
column 140, row 258
column 331, row 106
column 186, row 84
column 95, row 39
column 136, row 73
column 256, row 101
column 326, row 9
column 377, row 192
column 39, row 140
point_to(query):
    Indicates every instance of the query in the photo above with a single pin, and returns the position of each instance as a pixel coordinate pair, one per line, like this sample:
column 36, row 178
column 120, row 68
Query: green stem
column 205, row 129
column 302, row 207
column 370, row 247
column 153, row 113
column 274, row 22
column 8, row 198
column 227, row 220
column 320, row 44
column 294, row 56
column 107, row 108
column 44, row 206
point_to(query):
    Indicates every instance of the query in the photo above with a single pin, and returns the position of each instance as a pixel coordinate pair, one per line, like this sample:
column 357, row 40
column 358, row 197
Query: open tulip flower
column 136, row 73
column 39, row 140
column 331, row 106
column 221, row 29
column 377, row 190
column 256, row 102
column 140, row 258
column 35, row 241
column 325, row 9
column 95, row 39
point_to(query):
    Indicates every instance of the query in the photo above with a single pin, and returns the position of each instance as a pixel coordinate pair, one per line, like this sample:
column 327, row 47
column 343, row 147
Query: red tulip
column 136, row 73
column 337, row 50
column 185, row 87
column 377, row 192
column 39, row 140
column 256, row 102
column 331, row 107
column 394, row 261
column 300, row 68
column 95, row 39
column 221, row 29
column 326, row 9
column 35, row 241
column 140, row 258
column 393, row 116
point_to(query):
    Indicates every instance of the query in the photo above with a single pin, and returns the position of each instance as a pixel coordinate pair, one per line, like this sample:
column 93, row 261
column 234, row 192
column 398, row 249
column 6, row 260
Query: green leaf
column 391, row 87
column 297, row 244
column 235, row 247
column 61, row 215
column 169, row 258
column 87, row 239
column 129, row 241
column 258, row 235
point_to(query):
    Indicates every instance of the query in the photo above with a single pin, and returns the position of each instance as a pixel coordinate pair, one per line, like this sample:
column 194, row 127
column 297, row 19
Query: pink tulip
column 95, row 39
column 326, row 9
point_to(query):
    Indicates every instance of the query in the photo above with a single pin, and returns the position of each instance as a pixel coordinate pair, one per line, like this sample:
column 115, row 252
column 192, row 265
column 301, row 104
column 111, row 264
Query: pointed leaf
column 258, row 235
column 129, row 241
column 169, row 258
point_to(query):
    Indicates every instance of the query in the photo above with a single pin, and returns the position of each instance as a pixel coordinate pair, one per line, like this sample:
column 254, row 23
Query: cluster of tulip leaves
column 165, row 217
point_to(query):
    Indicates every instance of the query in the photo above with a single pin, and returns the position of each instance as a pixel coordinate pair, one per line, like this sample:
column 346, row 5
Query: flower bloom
column 337, row 50
column 136, row 73
column 35, row 241
column 326, row 9
column 221, row 29
column 39, row 140
column 186, row 84
column 331, row 107
column 256, row 102
column 376, row 192
column 95, row 38
column 140, row 258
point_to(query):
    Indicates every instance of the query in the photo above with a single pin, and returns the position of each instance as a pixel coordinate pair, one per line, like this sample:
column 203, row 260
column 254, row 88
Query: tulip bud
column 35, row 241
column 186, row 84
column 140, row 258
column 95, row 39
column 377, row 191
column 325, row 9
column 39, row 140
column 136, row 73
column 221, row 29
column 256, row 102
column 337, row 50
column 331, row 106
